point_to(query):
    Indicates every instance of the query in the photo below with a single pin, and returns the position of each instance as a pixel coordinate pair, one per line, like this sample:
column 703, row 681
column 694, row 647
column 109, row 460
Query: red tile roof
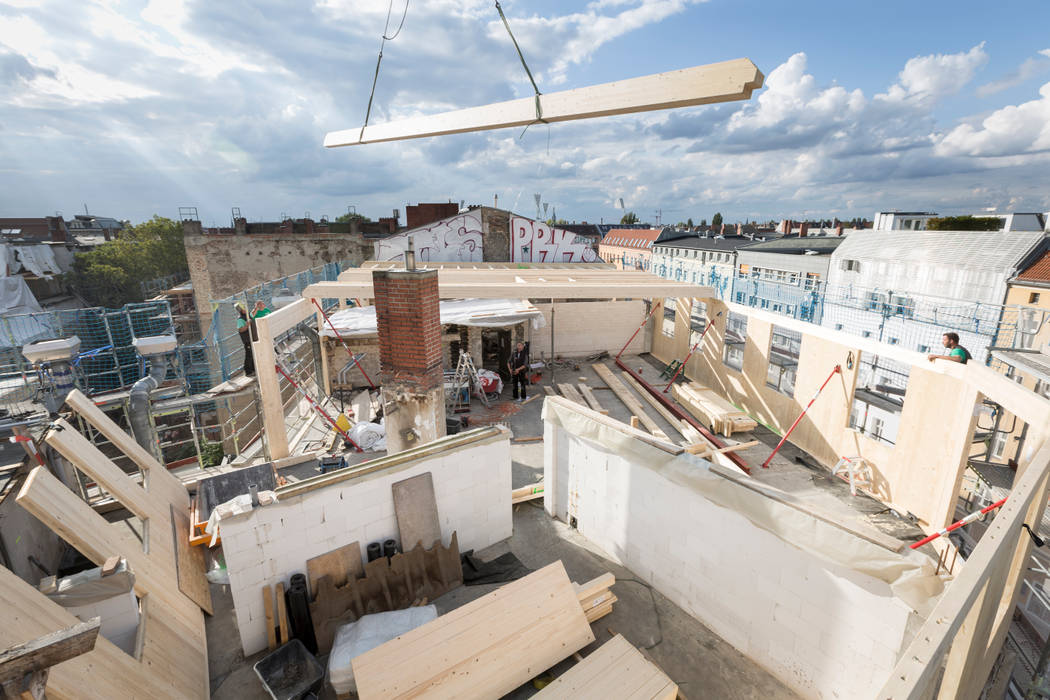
column 641, row 238
column 1039, row 271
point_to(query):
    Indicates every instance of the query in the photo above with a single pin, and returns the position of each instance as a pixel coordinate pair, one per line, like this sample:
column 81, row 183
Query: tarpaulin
column 38, row 259
column 484, row 313
column 909, row 573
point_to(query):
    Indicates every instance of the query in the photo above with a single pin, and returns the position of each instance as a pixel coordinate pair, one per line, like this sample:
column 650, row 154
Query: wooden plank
column 716, row 82
column 595, row 585
column 270, row 389
column 339, row 565
column 526, row 493
column 569, row 391
column 624, row 394
column 271, row 623
column 705, row 449
column 190, row 564
column 588, row 395
column 282, row 614
column 677, row 423
column 616, row 669
column 416, row 509
column 485, row 648
column 549, row 391
column 652, row 288
column 155, row 478
column 49, row 650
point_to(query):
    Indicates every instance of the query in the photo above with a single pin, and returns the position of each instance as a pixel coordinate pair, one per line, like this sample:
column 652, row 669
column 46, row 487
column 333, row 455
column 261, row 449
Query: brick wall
column 428, row 212
column 472, row 485
column 409, row 320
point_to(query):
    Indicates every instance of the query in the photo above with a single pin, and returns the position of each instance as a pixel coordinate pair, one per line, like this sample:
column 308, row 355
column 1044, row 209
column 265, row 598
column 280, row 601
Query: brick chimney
column 722, row 230
column 838, row 229
column 240, row 226
column 803, row 229
column 410, row 358
column 785, row 226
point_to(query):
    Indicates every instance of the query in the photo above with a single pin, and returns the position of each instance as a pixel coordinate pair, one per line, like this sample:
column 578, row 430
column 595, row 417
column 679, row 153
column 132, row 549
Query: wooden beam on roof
column 580, row 289
column 716, row 82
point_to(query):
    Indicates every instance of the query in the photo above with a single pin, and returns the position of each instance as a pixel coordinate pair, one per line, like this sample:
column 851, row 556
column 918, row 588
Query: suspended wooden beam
column 717, row 82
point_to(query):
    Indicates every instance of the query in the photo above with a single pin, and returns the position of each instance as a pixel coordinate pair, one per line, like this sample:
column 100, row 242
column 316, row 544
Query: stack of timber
column 484, row 649
column 615, row 670
column 595, row 597
column 712, row 409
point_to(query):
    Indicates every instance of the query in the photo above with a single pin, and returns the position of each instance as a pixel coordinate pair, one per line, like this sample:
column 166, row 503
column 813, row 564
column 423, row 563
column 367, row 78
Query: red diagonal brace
column 317, row 407
column 347, row 347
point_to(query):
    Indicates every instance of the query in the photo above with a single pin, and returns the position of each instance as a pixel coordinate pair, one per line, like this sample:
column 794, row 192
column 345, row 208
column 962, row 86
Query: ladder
column 466, row 376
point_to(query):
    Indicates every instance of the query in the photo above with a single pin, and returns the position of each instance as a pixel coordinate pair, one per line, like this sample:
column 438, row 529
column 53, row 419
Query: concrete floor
column 701, row 663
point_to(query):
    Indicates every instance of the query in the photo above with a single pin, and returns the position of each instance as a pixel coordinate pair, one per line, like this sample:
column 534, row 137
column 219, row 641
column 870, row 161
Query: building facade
column 786, row 276
column 699, row 259
column 629, row 249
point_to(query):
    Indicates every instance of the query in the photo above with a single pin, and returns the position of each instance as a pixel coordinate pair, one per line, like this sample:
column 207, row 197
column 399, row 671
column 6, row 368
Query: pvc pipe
column 957, row 524
column 765, row 465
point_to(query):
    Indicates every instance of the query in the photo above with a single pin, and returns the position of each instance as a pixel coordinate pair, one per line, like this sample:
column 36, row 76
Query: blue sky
column 139, row 107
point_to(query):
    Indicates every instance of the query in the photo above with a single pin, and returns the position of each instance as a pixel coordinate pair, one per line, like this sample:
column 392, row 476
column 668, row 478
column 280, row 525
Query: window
column 812, row 281
column 1033, row 298
column 894, row 341
column 736, row 339
column 697, row 321
column 1042, row 388
column 783, row 360
column 838, row 326
column 851, row 265
column 866, row 334
column 669, row 313
column 879, row 397
column 924, row 348
column 874, row 301
column 901, row 306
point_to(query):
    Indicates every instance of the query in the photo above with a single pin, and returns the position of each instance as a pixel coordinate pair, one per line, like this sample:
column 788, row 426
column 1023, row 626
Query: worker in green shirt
column 261, row 309
column 956, row 352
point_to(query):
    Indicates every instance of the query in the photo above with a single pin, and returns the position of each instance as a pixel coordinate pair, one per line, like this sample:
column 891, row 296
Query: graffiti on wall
column 535, row 241
column 455, row 239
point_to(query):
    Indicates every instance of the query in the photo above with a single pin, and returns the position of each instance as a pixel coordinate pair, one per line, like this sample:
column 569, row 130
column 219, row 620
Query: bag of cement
column 369, row 436
column 367, row 633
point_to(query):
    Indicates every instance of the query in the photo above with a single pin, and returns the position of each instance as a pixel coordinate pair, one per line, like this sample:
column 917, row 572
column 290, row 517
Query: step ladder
column 466, row 376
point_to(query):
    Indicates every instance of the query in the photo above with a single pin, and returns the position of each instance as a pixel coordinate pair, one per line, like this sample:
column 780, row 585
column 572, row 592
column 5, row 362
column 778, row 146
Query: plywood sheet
column 416, row 511
column 338, row 565
column 617, row 670
column 190, row 564
column 483, row 649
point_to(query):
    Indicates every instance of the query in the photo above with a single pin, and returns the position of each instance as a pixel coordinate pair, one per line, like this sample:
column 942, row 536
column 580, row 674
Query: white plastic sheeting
column 37, row 259
column 484, row 313
column 366, row 634
column 910, row 574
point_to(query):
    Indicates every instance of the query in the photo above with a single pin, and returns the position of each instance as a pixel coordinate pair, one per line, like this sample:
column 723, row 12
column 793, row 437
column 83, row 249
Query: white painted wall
column 582, row 328
column 535, row 241
column 455, row 239
column 825, row 630
column 472, row 487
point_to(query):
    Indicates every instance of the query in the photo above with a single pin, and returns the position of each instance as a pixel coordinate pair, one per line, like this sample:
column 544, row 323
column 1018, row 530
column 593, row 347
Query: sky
column 136, row 107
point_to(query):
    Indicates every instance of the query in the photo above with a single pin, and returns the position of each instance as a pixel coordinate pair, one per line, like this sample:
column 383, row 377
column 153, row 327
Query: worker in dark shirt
column 519, row 369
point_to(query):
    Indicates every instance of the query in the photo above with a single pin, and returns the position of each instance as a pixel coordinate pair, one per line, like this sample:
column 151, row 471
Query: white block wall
column 582, row 328
column 824, row 630
column 472, row 487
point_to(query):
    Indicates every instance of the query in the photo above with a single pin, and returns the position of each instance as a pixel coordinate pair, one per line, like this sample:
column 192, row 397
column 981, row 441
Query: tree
column 354, row 216
column 629, row 218
column 111, row 274
column 964, row 223
column 689, row 223
column 703, row 223
column 716, row 220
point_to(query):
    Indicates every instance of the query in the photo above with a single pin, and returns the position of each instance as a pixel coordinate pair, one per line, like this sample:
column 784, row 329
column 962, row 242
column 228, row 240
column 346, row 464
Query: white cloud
column 938, row 75
column 1030, row 68
column 1012, row 130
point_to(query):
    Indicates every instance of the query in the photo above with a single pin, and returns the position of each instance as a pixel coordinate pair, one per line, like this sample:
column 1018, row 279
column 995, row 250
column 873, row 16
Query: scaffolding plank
column 716, row 82
column 592, row 401
column 572, row 394
column 616, row 669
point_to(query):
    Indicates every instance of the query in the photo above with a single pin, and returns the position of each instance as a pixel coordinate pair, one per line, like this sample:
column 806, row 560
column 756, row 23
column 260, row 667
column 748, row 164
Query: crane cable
column 375, row 78
column 539, row 110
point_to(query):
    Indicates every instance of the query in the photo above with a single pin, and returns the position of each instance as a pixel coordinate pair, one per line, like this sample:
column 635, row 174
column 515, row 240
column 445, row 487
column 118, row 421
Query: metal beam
column 717, row 82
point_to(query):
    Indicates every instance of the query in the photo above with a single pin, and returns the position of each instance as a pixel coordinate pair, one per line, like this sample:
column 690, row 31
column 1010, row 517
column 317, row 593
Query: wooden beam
column 50, row 650
column 717, row 82
column 155, row 478
column 270, row 389
column 687, row 431
column 524, row 290
column 571, row 393
column 628, row 399
column 588, row 395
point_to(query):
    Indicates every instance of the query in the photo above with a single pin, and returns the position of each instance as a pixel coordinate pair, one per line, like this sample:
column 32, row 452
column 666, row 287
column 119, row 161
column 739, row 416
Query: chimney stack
column 838, row 229
column 803, row 229
column 410, row 358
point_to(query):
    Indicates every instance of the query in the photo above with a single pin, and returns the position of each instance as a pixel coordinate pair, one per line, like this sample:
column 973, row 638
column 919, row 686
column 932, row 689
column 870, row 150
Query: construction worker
column 244, row 329
column 519, row 369
column 956, row 352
